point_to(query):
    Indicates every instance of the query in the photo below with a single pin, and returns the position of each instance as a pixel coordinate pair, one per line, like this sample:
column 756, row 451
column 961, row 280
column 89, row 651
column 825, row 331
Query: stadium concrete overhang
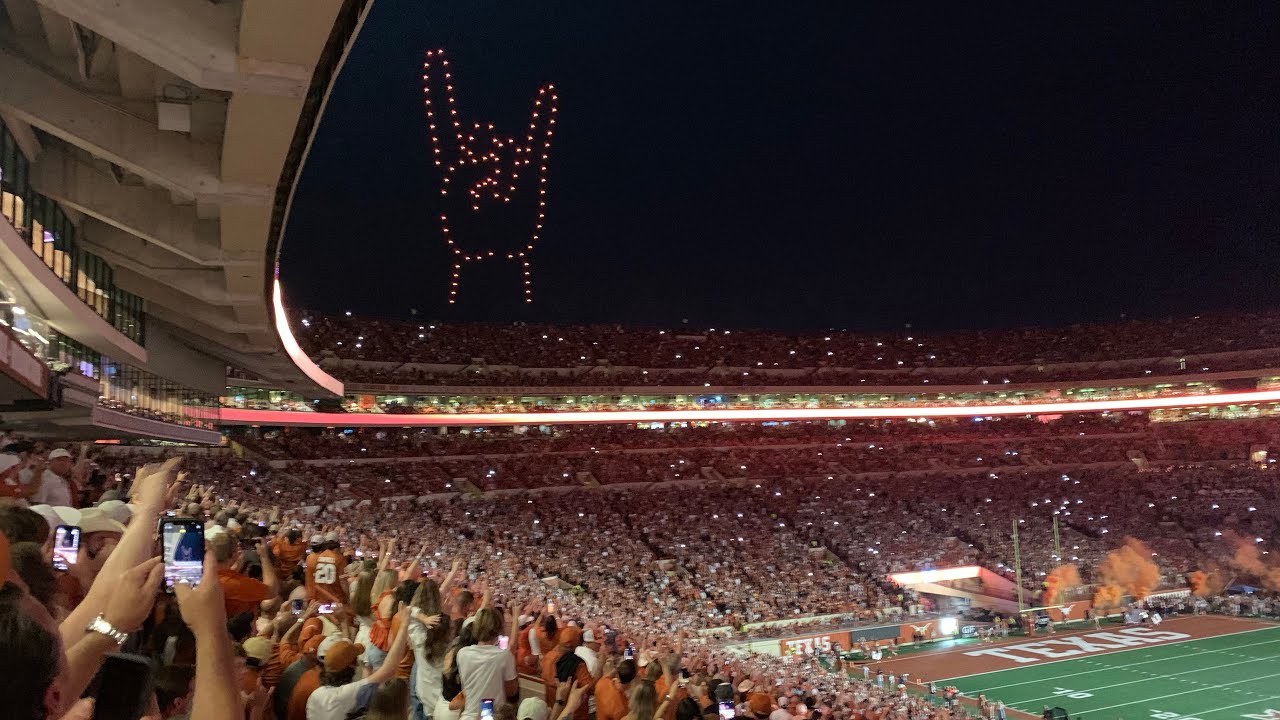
column 174, row 130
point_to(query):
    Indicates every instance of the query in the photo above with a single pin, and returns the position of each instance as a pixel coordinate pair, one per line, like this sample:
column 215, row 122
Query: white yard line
column 1121, row 667
column 1094, row 711
column 1148, row 679
column 1228, row 707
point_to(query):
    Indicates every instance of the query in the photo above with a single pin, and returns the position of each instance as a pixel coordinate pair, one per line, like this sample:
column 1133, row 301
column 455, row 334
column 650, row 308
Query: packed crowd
column 370, row 599
column 313, row 443
column 406, row 352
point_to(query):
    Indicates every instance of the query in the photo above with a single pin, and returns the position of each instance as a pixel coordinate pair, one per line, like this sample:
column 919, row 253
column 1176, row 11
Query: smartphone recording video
column 297, row 606
column 66, row 547
column 502, row 642
column 123, row 689
column 726, row 710
column 183, row 552
column 486, row 708
column 327, row 608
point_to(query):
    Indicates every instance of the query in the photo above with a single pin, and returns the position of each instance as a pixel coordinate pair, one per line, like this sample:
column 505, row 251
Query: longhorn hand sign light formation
column 481, row 173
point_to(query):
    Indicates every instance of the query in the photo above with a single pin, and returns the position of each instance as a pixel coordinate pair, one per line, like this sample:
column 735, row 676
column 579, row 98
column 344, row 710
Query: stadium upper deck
column 1205, row 366
column 413, row 353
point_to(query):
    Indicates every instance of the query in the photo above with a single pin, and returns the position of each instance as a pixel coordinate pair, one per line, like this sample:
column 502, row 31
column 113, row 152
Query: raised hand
column 482, row 172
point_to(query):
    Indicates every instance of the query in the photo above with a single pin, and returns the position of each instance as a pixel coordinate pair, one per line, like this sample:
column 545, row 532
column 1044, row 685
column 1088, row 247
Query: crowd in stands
column 418, row 353
column 315, row 443
column 731, row 526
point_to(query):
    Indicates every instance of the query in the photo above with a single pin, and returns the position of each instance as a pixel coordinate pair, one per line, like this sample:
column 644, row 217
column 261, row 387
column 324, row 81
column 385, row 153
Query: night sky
column 781, row 165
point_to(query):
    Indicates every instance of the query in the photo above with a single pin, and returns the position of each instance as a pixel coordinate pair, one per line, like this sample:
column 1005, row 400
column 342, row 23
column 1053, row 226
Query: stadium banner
column 814, row 643
column 1071, row 612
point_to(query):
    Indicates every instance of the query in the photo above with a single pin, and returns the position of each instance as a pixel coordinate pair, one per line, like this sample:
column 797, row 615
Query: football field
column 1229, row 676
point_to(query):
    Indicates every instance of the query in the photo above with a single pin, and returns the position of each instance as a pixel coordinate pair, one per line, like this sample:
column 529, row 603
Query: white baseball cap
column 317, row 539
column 532, row 708
column 59, row 453
column 59, row 515
column 117, row 510
column 93, row 520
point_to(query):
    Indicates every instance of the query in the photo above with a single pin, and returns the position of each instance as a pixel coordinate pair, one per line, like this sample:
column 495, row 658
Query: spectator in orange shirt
column 525, row 659
column 242, row 593
column 611, row 691
column 553, row 670
column 325, row 579
column 288, row 550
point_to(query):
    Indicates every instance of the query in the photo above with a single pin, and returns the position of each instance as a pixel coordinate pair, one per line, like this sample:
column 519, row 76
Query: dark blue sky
column 817, row 164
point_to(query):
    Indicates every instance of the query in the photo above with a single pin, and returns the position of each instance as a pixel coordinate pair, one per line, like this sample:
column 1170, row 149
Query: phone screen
column 124, row 688
column 502, row 642
column 629, row 653
column 297, row 606
column 66, row 547
column 726, row 710
column 327, row 608
column 486, row 708
column 183, row 552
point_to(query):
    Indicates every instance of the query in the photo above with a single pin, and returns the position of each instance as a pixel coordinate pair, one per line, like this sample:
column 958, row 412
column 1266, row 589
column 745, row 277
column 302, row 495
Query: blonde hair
column 385, row 581
column 361, row 596
column 487, row 625
column 642, row 700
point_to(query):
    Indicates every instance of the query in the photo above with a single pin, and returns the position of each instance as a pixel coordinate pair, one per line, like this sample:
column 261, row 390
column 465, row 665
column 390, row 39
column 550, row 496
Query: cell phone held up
column 66, row 547
column 182, row 547
column 123, row 688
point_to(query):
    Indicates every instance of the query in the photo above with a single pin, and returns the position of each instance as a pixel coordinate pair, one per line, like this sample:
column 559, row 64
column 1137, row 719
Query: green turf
column 1229, row 676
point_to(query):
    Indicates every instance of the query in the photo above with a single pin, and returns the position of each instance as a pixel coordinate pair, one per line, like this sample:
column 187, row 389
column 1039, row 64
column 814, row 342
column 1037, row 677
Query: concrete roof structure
column 175, row 130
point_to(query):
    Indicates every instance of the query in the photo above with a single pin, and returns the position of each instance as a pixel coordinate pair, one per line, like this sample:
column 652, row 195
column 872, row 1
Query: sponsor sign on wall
column 814, row 643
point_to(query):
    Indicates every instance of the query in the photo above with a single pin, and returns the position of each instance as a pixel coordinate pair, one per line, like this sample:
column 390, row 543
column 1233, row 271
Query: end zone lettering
column 1065, row 647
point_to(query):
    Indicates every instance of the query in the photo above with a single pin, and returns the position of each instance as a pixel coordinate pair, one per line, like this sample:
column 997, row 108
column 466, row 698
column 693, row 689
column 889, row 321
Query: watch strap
column 102, row 627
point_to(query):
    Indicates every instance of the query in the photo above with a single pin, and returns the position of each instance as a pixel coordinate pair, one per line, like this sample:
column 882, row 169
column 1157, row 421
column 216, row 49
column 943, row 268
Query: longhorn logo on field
column 922, row 629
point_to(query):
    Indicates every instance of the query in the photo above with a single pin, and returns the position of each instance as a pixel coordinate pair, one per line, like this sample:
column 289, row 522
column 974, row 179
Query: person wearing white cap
column 99, row 535
column 589, row 652
column 532, row 708
column 54, row 488
column 117, row 510
column 10, row 484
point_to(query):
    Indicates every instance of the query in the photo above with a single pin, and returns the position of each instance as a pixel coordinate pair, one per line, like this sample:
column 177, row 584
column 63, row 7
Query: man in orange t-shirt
column 288, row 550
column 325, row 580
column 241, row 593
column 611, row 692
column 570, row 638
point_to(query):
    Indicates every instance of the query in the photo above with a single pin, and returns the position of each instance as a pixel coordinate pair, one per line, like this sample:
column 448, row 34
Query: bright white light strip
column 928, row 576
column 310, row 369
column 567, row 417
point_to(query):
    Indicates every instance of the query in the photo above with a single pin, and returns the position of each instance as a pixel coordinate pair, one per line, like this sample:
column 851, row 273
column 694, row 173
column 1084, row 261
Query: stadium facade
column 148, row 155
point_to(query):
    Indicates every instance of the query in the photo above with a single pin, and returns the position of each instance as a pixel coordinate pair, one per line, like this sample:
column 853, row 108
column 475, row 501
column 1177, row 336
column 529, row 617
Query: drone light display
column 481, row 169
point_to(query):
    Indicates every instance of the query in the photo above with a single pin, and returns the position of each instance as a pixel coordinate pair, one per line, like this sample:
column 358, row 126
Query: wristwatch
column 102, row 627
